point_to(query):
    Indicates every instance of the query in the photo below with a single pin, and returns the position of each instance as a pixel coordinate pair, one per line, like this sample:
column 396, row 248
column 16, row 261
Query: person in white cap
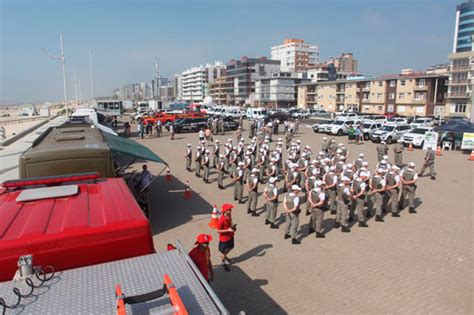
column 216, row 153
column 332, row 148
column 429, row 162
column 270, row 193
column 377, row 188
column 408, row 177
column 232, row 162
column 343, row 201
column 252, row 185
column 390, row 200
column 316, row 198
column 197, row 161
column 358, row 192
column 309, row 185
column 206, row 160
column 292, row 176
column 220, row 171
column 382, row 150
column 398, row 152
column 291, row 204
column 238, row 180
column 188, row 155
column 330, row 180
column 324, row 145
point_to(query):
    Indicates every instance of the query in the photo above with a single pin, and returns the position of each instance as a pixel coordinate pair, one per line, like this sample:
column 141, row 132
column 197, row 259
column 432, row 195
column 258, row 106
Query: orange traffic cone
column 438, row 151
column 471, row 158
column 168, row 175
column 410, row 147
column 213, row 223
column 187, row 191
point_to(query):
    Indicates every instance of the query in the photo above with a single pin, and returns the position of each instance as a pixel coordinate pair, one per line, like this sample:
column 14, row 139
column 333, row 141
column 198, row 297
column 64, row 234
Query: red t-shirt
column 225, row 223
column 201, row 259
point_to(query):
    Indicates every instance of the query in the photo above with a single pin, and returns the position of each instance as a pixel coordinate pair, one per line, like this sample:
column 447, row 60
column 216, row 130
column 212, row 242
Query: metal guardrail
column 20, row 120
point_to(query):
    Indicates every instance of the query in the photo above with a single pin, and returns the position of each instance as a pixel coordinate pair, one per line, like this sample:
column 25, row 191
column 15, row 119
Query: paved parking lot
column 418, row 263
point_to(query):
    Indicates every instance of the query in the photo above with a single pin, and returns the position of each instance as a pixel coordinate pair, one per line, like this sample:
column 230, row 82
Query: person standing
column 330, row 180
column 324, row 145
column 220, row 171
column 141, row 128
column 398, row 153
column 382, row 150
column 288, row 138
column 291, row 204
column 252, row 185
column 201, row 135
column 377, row 188
column 316, row 199
column 358, row 192
column 197, row 161
column 206, row 165
column 201, row 256
column 216, row 153
column 391, row 190
column 172, row 131
column 408, row 177
column 226, row 229
column 238, row 180
column 429, row 162
column 3, row 134
column 238, row 134
column 188, row 156
column 270, row 193
column 343, row 198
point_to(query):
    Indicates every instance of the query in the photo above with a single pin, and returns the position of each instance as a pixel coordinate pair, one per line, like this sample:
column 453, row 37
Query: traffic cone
column 471, row 158
column 410, row 147
column 168, row 175
column 438, row 151
column 187, row 191
column 213, row 223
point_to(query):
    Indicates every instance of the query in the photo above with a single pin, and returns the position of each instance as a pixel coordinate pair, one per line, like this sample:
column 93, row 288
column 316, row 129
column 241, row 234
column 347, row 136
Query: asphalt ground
column 418, row 263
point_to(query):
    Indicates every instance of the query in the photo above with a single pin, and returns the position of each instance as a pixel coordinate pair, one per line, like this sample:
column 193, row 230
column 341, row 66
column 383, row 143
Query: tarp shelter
column 131, row 148
column 459, row 126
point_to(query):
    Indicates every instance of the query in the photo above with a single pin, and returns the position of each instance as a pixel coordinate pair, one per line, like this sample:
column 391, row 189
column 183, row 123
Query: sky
column 385, row 36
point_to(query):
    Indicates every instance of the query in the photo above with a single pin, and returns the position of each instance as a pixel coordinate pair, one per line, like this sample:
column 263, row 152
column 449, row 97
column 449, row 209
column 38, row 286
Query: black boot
column 294, row 241
column 396, row 215
column 367, row 215
column 350, row 220
column 255, row 214
column 310, row 231
column 345, row 229
column 411, row 210
column 320, row 235
column 363, row 224
column 273, row 226
column 307, row 212
column 287, row 236
column 248, row 211
column 378, row 219
column 267, row 222
column 337, row 225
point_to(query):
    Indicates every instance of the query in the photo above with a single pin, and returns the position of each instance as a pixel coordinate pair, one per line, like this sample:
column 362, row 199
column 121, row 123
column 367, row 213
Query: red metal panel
column 102, row 223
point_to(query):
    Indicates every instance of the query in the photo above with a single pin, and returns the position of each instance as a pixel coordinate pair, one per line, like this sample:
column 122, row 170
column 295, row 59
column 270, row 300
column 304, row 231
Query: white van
column 256, row 113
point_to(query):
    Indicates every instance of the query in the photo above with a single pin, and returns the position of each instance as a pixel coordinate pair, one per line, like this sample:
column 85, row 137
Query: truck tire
column 339, row 132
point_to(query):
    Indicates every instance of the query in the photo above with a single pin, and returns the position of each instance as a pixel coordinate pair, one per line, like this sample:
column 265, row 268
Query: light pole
column 92, row 81
column 61, row 59
column 75, row 87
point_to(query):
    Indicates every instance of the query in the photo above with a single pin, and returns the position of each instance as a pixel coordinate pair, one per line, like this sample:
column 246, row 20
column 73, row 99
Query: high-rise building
column 461, row 69
column 278, row 90
column 344, row 63
column 241, row 76
column 195, row 81
column 295, row 55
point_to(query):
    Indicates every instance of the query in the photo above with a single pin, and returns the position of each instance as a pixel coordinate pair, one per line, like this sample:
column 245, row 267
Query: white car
column 234, row 113
column 345, row 116
column 340, row 127
column 368, row 127
column 422, row 122
column 416, row 136
column 301, row 113
column 390, row 133
column 321, row 127
column 397, row 121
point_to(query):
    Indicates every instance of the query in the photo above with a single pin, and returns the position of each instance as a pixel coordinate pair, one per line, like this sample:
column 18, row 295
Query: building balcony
column 419, row 100
column 459, row 95
column 458, row 82
column 365, row 100
column 365, row 89
column 340, row 91
column 460, row 68
column 420, row 88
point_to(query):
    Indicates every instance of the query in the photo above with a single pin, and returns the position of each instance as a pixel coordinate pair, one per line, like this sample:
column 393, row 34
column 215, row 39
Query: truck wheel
column 339, row 132
column 389, row 140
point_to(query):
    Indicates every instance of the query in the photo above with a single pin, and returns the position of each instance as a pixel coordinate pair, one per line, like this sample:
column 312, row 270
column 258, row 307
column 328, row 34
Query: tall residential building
column 241, row 76
column 278, row 90
column 461, row 69
column 218, row 91
column 344, row 63
column 195, row 81
column 295, row 55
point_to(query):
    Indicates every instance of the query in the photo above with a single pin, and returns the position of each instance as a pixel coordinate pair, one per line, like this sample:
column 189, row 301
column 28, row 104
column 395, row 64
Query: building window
column 402, row 82
column 392, row 83
column 419, row 96
column 458, row 108
column 401, row 95
column 400, row 109
column 379, row 95
column 380, row 83
column 421, row 82
column 380, row 107
column 391, row 96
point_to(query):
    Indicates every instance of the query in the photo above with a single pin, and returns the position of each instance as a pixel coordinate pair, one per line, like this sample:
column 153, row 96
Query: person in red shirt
column 226, row 230
column 201, row 256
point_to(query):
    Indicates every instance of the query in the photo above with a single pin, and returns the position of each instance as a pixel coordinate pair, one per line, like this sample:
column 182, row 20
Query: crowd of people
column 316, row 183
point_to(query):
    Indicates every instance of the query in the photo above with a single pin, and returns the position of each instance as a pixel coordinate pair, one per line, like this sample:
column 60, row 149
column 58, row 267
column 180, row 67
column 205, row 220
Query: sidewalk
column 10, row 155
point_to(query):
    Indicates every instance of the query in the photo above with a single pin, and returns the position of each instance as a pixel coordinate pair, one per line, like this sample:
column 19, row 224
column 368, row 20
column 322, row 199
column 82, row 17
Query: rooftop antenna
column 62, row 60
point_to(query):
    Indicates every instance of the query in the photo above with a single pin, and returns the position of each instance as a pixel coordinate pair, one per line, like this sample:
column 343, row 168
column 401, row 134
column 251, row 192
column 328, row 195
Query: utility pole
column 80, row 92
column 75, row 87
column 92, row 81
column 61, row 59
column 158, row 77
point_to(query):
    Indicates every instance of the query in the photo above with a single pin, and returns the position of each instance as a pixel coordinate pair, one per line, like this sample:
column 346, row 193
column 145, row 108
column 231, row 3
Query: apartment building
column 461, row 70
column 295, row 55
column 241, row 76
column 195, row 81
column 408, row 94
column 323, row 72
column 344, row 63
column 278, row 90
column 218, row 91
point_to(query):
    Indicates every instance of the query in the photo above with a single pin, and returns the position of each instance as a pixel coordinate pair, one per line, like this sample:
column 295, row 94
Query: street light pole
column 75, row 87
column 92, row 81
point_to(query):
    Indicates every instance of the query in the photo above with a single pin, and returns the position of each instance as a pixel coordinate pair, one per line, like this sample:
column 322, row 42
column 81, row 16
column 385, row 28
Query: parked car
column 422, row 122
column 397, row 121
column 416, row 136
column 390, row 133
column 340, row 127
column 368, row 127
column 234, row 113
column 230, row 124
column 281, row 116
column 346, row 115
column 300, row 113
column 256, row 113
column 377, row 118
column 189, row 124
column 321, row 127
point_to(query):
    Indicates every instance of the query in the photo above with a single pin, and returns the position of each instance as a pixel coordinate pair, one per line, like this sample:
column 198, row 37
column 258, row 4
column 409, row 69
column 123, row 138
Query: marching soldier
column 197, row 161
column 332, row 148
column 291, row 203
column 377, row 188
column 216, row 153
column 247, row 166
column 232, row 162
column 188, row 156
column 358, row 162
column 238, row 181
column 291, row 177
column 252, row 185
column 316, row 198
column 408, row 177
column 429, row 162
column 260, row 165
column 309, row 185
column 382, row 150
column 220, row 124
column 324, row 145
column 392, row 180
column 288, row 138
column 252, row 129
column 330, row 180
column 343, row 199
column 398, row 153
column 358, row 191
column 206, row 161
column 270, row 193
column 220, row 171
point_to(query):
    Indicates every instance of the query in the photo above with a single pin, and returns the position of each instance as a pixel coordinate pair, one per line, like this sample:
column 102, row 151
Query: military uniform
column 252, row 185
column 238, row 184
column 358, row 186
column 398, row 152
column 329, row 180
column 292, row 218
column 216, row 154
column 220, row 172
column 332, row 149
column 197, row 163
column 288, row 138
column 377, row 182
column 232, row 162
column 342, row 213
column 271, row 191
column 206, row 165
column 391, row 195
column 317, row 213
column 429, row 162
column 189, row 156
column 408, row 190
column 381, row 151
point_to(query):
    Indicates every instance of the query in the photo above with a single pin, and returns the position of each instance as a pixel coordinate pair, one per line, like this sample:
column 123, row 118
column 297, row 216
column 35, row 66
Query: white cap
column 314, row 161
column 312, row 177
column 361, row 155
column 295, row 187
column 207, row 151
column 365, row 163
column 230, row 140
column 399, row 140
column 382, row 142
column 298, row 141
column 345, row 179
column 385, row 157
column 383, row 162
column 349, row 165
column 272, row 180
column 254, row 170
column 338, row 151
column 380, row 170
column 395, row 168
column 319, row 183
column 316, row 189
column 358, row 179
column 188, row 145
column 348, row 170
column 363, row 174
column 411, row 164
column 217, row 141
column 325, row 138
column 241, row 164
column 340, row 145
